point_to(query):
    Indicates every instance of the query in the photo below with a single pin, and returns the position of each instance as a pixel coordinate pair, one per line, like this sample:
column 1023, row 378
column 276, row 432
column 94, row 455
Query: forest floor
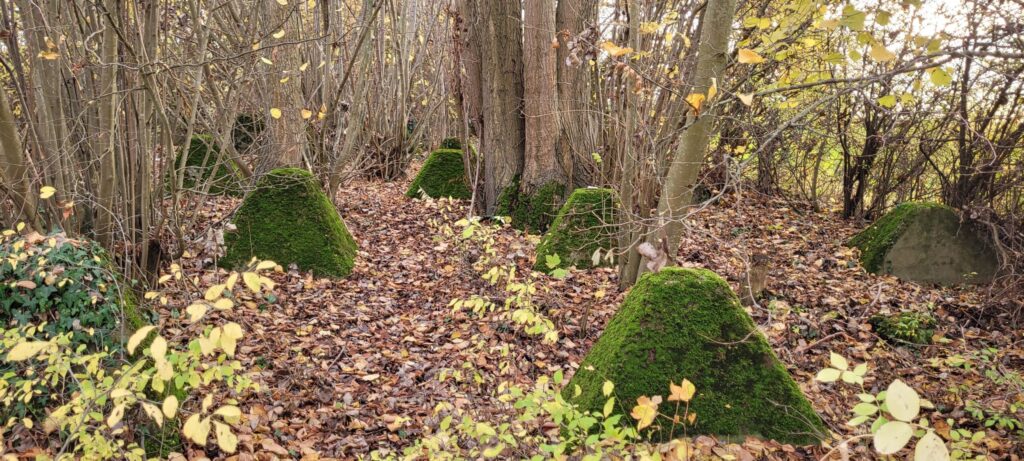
column 350, row 366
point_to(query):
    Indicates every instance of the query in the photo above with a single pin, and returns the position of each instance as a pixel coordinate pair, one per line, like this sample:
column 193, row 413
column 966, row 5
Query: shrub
column 69, row 284
column 289, row 219
column 904, row 327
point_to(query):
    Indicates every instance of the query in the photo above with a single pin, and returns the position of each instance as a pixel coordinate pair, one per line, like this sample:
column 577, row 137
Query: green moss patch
column 443, row 175
column 584, row 224
column 205, row 163
column 289, row 220
column 531, row 212
column 904, row 327
column 926, row 242
column 687, row 323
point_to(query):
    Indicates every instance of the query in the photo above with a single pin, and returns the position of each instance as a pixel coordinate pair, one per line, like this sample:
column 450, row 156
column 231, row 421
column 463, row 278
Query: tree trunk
column 288, row 132
column 15, row 167
column 577, row 124
column 502, row 89
column 540, row 164
column 677, row 193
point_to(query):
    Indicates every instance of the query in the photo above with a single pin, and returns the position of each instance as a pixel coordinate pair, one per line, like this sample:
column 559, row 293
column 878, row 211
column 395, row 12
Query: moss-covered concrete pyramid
column 531, row 212
column 205, row 162
column 288, row 219
column 443, row 175
column 687, row 323
column 928, row 243
column 584, row 224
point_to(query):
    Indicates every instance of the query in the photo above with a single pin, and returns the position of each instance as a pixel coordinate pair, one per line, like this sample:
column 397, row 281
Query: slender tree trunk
column 15, row 166
column 540, row 163
column 502, row 88
column 106, row 145
column 677, row 193
column 288, row 132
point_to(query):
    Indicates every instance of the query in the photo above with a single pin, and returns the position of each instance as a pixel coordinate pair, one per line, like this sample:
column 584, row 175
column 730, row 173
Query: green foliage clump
column 905, row 327
column 247, row 128
column 205, row 163
column 531, row 212
column 584, row 224
column 69, row 284
column 290, row 220
column 687, row 323
column 875, row 241
column 451, row 144
column 443, row 175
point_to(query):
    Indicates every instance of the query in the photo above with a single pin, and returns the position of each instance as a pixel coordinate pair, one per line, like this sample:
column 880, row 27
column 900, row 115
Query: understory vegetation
column 512, row 229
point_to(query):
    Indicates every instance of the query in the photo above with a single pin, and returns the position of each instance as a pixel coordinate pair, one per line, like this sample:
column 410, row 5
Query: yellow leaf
column 275, row 112
column 748, row 56
column 226, row 440
column 644, row 412
column 137, row 338
column 880, row 53
column 746, row 99
column 197, row 430
column 158, row 349
column 115, row 415
column 196, row 311
column 279, row 34
column 267, row 61
column 232, row 279
column 282, row 2
column 614, row 50
column 264, row 265
column 252, row 281
column 230, row 413
column 607, row 388
column 224, row 304
column 46, row 192
column 26, row 350
column 713, row 90
column 838, row 361
column 154, row 413
column 695, row 100
column 306, row 114
column 170, row 406
column 207, row 401
column 303, row 67
column 681, row 393
column 49, row 55
column 214, row 293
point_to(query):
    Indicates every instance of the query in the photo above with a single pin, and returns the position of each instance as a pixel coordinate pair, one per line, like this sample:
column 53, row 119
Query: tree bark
column 577, row 123
column 540, row 95
column 502, row 100
column 15, row 166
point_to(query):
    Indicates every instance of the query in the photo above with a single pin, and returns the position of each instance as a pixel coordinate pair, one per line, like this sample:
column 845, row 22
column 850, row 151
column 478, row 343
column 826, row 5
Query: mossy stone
column 928, row 243
column 451, row 143
column 442, row 175
column 204, row 162
column 688, row 324
column 904, row 327
column 531, row 212
column 288, row 219
column 584, row 224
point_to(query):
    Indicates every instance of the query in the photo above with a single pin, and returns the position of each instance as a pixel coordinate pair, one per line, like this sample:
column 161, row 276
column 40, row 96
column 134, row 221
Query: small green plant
column 905, row 327
column 893, row 414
